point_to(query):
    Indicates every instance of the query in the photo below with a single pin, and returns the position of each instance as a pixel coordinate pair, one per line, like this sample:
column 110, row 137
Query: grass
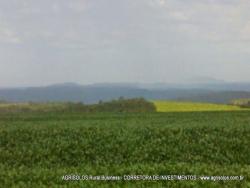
column 241, row 102
column 121, row 105
column 27, row 107
column 172, row 106
column 37, row 149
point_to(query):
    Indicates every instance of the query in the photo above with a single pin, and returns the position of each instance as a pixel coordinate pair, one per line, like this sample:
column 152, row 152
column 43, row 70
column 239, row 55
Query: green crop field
column 172, row 106
column 38, row 148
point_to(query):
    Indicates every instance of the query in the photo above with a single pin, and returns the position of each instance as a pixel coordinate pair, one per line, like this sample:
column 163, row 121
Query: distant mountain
column 217, row 86
column 218, row 97
column 204, row 80
column 216, row 93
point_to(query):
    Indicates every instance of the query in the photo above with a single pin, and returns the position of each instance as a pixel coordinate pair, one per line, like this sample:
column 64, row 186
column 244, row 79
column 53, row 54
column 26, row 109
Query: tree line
column 120, row 105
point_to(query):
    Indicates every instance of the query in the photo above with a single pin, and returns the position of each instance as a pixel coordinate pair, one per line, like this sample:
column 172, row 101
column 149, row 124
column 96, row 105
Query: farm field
column 31, row 107
column 172, row 106
column 38, row 149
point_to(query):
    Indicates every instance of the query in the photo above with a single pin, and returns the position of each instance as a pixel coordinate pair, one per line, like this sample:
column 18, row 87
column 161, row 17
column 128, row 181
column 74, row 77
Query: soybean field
column 39, row 149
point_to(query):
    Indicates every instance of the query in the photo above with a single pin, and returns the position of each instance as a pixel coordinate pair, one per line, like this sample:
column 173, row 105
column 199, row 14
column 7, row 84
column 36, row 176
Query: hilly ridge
column 214, row 93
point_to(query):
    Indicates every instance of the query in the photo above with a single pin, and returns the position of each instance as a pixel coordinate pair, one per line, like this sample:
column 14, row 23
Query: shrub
column 124, row 105
column 120, row 105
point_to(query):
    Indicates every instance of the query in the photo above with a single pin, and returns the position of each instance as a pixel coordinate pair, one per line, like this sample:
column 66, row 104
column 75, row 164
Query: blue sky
column 89, row 41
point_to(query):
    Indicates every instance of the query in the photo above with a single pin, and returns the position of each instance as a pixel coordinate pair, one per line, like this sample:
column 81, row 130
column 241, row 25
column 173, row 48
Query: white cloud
column 244, row 32
column 78, row 5
column 8, row 36
column 162, row 2
column 160, row 35
column 178, row 15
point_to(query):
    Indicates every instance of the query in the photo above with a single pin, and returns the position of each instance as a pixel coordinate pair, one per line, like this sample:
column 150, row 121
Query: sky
column 44, row 42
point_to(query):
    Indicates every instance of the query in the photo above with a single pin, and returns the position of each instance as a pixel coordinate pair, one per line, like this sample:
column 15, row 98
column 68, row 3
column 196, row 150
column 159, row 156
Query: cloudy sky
column 88, row 41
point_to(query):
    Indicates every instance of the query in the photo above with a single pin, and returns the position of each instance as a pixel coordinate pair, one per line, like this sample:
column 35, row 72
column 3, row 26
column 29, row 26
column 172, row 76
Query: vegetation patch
column 245, row 103
column 37, row 149
column 172, row 106
column 120, row 105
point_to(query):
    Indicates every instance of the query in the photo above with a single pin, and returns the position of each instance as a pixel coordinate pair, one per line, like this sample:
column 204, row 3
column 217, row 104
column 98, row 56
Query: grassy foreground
column 37, row 149
column 171, row 106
